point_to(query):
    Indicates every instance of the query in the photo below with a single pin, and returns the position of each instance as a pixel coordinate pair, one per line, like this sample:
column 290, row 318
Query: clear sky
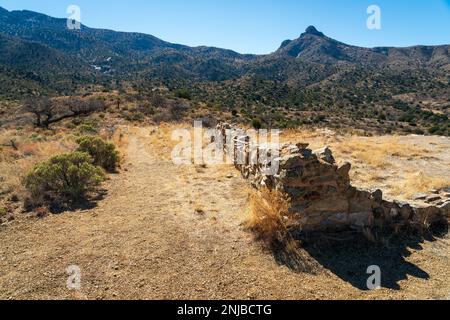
column 259, row 26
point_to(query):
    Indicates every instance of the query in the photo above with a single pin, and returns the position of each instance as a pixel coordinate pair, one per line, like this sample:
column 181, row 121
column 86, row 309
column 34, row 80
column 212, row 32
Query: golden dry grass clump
column 270, row 221
column 268, row 216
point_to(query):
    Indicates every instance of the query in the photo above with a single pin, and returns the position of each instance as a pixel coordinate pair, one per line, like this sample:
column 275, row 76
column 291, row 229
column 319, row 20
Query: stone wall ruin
column 321, row 194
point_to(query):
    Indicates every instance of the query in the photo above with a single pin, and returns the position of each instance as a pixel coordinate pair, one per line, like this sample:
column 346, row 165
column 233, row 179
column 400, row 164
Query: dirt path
column 168, row 232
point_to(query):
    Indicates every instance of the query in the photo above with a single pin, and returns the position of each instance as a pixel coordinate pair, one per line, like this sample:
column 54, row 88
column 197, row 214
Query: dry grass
column 268, row 216
column 396, row 164
column 389, row 163
column 377, row 152
column 269, row 219
column 31, row 148
column 418, row 182
column 161, row 138
column 120, row 138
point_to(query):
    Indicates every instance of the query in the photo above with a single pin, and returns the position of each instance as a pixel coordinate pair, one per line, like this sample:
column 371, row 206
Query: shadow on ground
column 349, row 255
column 85, row 204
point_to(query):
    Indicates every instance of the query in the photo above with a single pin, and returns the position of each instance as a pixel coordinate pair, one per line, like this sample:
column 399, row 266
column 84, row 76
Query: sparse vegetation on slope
column 303, row 83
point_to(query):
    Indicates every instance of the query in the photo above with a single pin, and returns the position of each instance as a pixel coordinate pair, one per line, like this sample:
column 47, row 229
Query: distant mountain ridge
column 312, row 45
column 40, row 55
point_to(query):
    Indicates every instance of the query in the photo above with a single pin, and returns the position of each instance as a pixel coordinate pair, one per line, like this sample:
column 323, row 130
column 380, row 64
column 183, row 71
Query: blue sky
column 259, row 26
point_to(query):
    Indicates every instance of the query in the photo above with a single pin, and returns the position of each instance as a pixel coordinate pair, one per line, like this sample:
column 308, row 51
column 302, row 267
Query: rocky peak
column 311, row 30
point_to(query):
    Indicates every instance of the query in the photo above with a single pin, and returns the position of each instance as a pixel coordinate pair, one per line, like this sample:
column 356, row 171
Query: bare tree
column 78, row 107
column 48, row 112
column 42, row 108
column 158, row 101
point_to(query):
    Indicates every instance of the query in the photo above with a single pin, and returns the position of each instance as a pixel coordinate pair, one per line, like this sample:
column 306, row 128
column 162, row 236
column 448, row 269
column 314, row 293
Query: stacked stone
column 320, row 191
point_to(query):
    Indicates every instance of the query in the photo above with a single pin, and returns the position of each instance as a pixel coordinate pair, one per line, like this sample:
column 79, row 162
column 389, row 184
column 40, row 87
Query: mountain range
column 40, row 55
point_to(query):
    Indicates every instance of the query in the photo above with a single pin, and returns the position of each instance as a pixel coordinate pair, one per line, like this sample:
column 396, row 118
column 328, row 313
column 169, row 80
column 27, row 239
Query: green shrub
column 183, row 94
column 87, row 128
column 134, row 117
column 256, row 124
column 65, row 178
column 103, row 153
column 435, row 130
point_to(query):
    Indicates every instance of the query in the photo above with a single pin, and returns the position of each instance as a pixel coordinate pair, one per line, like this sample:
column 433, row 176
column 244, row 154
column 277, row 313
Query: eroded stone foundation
column 321, row 194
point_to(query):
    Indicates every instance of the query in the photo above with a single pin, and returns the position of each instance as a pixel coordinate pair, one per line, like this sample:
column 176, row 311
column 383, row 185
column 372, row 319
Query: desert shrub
column 163, row 116
column 134, row 117
column 64, row 179
column 437, row 130
column 418, row 131
column 104, row 154
column 183, row 94
column 87, row 128
column 256, row 124
column 208, row 121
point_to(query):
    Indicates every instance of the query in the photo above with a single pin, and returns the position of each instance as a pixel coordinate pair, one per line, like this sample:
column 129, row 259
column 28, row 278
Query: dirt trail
column 168, row 232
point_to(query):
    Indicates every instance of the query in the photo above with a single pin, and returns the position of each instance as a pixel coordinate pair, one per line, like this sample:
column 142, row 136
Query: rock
column 361, row 219
column 199, row 211
column 331, row 204
column 302, row 146
column 295, row 192
column 394, row 213
column 293, row 149
column 344, row 170
column 445, row 209
column 377, row 195
column 378, row 213
column 291, row 173
column 420, row 196
column 290, row 161
column 325, row 154
column 405, row 210
column 306, row 153
column 428, row 214
column 431, row 199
